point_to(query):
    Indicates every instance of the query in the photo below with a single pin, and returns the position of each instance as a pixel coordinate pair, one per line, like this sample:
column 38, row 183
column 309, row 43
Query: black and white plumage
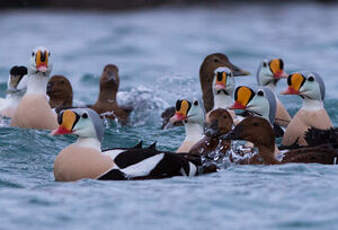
column 138, row 163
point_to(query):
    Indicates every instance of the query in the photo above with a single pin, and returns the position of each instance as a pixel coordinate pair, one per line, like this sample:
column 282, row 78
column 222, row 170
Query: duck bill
column 177, row 118
column 280, row 74
column 238, row 105
column 232, row 135
column 290, row 91
column 236, row 71
column 61, row 131
column 42, row 68
column 219, row 86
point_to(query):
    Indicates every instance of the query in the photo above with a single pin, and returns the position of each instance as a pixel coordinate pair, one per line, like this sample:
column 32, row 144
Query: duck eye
column 265, row 64
column 260, row 93
column 195, row 103
column 256, row 124
column 62, row 82
column 216, row 60
column 85, row 115
column 33, row 54
column 311, row 78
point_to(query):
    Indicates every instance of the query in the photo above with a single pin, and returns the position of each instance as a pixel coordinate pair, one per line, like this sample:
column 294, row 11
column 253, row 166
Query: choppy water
column 159, row 53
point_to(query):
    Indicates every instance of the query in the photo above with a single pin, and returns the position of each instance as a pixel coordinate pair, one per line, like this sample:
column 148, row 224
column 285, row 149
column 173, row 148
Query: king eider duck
column 34, row 111
column 84, row 158
column 310, row 86
column 206, row 76
column 261, row 103
column 16, row 88
column 265, row 142
column 268, row 75
column 60, row 92
column 223, row 90
column 106, row 104
column 191, row 114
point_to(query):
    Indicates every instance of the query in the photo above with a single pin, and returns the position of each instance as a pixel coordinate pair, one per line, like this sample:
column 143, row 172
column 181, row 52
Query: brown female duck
column 60, row 92
column 265, row 142
column 219, row 122
column 106, row 103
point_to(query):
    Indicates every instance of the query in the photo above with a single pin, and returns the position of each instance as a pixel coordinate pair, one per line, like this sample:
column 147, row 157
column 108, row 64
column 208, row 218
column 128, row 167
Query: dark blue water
column 159, row 53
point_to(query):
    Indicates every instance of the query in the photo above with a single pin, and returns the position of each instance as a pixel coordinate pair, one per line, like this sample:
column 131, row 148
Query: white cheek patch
column 144, row 167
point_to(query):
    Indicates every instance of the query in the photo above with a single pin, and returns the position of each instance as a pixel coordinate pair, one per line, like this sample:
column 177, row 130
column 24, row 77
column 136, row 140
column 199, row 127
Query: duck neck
column 268, row 153
column 89, row 142
column 61, row 102
column 37, row 84
column 222, row 101
column 193, row 131
column 311, row 104
column 107, row 95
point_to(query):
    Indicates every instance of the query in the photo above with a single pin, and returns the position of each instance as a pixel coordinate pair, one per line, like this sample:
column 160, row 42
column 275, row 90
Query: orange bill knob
column 67, row 121
column 243, row 96
column 295, row 82
column 277, row 68
column 221, row 80
column 41, row 60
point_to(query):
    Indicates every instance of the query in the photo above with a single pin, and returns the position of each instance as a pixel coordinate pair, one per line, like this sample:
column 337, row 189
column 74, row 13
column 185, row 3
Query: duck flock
column 228, row 113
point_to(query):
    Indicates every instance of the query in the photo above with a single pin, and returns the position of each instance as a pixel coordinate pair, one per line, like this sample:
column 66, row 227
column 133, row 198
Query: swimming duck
column 262, row 103
column 207, row 73
column 311, row 88
column 265, row 142
column 34, row 111
column 84, row 158
column 219, row 122
column 16, row 88
column 268, row 75
column 106, row 103
column 223, row 90
column 191, row 114
column 60, row 92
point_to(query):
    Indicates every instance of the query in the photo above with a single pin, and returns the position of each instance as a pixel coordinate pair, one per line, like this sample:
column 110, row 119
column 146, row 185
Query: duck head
column 17, row 74
column 40, row 62
column 109, row 83
column 60, row 91
column 308, row 85
column 188, row 112
column 218, row 122
column 270, row 72
column 83, row 122
column 262, row 103
column 207, row 72
column 223, row 83
column 248, row 129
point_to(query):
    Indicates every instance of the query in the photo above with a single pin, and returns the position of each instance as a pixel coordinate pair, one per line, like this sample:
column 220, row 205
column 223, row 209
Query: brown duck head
column 60, row 92
column 218, row 122
column 207, row 71
column 109, row 83
column 254, row 129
